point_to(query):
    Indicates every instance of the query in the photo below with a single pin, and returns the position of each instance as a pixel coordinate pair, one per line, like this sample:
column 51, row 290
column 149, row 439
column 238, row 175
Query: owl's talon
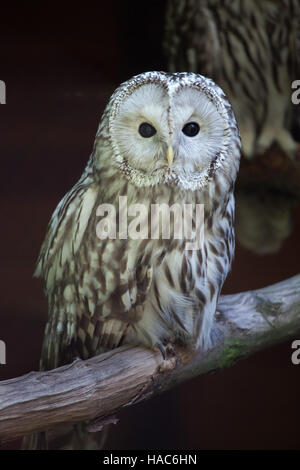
column 162, row 349
column 171, row 349
column 271, row 135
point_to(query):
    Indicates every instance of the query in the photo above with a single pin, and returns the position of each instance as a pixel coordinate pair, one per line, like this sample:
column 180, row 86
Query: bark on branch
column 97, row 388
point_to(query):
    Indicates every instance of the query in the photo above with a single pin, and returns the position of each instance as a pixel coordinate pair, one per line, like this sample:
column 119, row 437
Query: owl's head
column 171, row 128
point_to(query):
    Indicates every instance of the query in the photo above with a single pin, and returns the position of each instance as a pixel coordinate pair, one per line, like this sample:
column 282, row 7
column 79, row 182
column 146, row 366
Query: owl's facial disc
column 198, row 130
column 167, row 129
column 140, row 128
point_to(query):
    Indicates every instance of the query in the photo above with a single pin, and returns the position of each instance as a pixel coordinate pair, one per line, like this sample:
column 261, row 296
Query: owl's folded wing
column 93, row 295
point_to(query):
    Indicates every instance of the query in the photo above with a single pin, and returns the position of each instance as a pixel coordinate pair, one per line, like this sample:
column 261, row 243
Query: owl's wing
column 57, row 266
column 191, row 38
column 94, row 290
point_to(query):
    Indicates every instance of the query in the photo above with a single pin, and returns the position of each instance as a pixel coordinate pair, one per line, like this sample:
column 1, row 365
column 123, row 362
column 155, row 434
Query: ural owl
column 252, row 50
column 163, row 139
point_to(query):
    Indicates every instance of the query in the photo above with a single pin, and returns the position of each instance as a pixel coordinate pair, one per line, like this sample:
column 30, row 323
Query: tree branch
column 97, row 388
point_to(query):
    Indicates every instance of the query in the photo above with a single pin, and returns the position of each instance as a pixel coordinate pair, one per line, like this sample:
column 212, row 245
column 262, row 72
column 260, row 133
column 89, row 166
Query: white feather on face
column 169, row 106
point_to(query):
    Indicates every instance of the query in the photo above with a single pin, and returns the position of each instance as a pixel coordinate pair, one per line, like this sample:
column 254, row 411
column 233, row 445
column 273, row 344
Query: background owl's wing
column 191, row 38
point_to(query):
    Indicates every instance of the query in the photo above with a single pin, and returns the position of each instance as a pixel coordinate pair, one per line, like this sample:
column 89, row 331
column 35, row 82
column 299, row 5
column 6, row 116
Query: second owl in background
column 251, row 48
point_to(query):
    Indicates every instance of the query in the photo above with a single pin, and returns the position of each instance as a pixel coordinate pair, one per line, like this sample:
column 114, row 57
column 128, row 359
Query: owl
column 167, row 139
column 252, row 50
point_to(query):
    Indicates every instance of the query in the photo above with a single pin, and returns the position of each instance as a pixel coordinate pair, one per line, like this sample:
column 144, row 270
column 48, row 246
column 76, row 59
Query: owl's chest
column 168, row 267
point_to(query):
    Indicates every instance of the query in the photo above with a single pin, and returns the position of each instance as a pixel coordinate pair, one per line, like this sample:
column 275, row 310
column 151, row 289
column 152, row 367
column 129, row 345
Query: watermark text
column 2, row 92
column 2, row 352
column 296, row 94
column 296, row 354
column 157, row 221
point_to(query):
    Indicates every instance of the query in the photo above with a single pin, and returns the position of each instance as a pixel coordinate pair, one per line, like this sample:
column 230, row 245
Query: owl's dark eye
column 191, row 129
column 146, row 130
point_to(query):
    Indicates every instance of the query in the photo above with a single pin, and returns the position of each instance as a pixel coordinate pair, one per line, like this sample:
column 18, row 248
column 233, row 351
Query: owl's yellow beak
column 170, row 155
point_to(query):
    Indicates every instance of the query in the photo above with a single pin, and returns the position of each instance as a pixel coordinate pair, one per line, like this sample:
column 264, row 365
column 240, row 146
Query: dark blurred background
column 60, row 65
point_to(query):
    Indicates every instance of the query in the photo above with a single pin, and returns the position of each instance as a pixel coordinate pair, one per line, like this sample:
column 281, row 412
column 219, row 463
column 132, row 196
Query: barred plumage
column 106, row 292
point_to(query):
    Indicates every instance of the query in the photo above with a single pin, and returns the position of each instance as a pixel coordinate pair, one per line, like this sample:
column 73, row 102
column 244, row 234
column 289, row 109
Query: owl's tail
column 35, row 442
column 66, row 438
